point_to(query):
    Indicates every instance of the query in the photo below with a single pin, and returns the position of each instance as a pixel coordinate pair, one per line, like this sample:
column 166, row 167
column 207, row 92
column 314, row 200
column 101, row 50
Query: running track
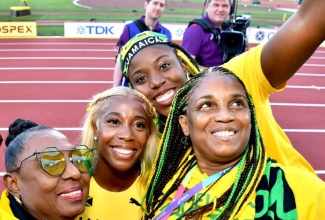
column 51, row 80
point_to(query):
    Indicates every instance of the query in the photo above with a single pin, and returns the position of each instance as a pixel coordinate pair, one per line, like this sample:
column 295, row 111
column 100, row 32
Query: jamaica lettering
column 138, row 46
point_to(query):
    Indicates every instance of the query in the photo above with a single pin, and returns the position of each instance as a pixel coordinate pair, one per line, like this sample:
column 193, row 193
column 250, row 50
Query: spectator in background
column 200, row 43
column 47, row 177
column 149, row 21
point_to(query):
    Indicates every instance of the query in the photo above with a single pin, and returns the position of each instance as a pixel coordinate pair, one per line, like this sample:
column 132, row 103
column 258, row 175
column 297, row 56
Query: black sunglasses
column 53, row 161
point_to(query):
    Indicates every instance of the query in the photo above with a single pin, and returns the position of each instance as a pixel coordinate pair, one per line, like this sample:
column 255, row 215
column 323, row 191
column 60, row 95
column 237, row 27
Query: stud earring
column 95, row 138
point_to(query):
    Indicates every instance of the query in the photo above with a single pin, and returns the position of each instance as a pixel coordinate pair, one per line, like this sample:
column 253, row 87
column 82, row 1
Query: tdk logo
column 95, row 30
column 260, row 35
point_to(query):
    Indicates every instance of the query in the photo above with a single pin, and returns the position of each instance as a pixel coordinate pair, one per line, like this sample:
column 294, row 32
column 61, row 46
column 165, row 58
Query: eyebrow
column 203, row 97
column 160, row 57
column 239, row 95
column 236, row 95
column 119, row 114
column 156, row 60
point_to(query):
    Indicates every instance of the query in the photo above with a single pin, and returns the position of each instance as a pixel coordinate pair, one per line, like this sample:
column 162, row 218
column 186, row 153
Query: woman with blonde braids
column 120, row 124
column 225, row 173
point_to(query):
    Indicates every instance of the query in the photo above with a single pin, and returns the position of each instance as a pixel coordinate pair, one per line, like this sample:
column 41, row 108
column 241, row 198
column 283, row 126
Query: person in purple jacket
column 200, row 43
column 148, row 22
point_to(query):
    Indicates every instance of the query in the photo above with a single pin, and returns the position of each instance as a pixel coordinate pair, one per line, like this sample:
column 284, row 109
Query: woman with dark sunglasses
column 47, row 177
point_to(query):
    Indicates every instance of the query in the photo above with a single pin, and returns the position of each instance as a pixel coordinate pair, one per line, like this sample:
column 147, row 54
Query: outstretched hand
column 294, row 42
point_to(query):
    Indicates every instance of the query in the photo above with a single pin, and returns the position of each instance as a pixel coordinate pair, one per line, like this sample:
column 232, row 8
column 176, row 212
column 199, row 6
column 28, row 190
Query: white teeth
column 71, row 193
column 165, row 96
column 123, row 151
column 224, row 133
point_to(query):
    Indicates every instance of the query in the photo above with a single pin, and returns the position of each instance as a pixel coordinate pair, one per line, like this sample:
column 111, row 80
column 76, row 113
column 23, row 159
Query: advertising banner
column 93, row 29
column 18, row 29
column 113, row 30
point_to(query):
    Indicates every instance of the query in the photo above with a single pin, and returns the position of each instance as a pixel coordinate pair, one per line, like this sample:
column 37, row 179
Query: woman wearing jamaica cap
column 158, row 69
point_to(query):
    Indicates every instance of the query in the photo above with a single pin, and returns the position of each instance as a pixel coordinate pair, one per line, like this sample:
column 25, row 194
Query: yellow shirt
column 308, row 191
column 5, row 210
column 247, row 67
column 103, row 204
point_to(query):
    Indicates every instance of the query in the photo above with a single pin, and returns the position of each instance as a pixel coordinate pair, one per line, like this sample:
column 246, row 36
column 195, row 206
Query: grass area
column 41, row 5
column 50, row 30
column 65, row 10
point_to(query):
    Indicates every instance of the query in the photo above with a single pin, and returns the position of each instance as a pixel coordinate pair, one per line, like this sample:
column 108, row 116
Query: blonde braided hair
column 98, row 106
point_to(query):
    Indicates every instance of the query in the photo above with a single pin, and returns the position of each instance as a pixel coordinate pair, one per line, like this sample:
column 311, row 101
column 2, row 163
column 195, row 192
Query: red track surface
column 51, row 80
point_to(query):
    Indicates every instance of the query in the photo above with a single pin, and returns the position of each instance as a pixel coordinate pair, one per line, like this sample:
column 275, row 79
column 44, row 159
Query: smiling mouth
column 71, row 193
column 165, row 96
column 123, row 151
column 224, row 133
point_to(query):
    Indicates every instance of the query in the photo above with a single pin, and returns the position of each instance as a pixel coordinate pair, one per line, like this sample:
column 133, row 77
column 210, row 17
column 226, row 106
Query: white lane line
column 313, row 64
column 305, row 130
column 56, row 68
column 65, row 50
column 56, row 82
column 309, row 74
column 109, row 82
column 75, row 2
column 305, row 87
column 314, row 57
column 296, row 104
column 57, row 58
column 58, row 43
column 60, row 129
column 44, row 101
column 285, row 130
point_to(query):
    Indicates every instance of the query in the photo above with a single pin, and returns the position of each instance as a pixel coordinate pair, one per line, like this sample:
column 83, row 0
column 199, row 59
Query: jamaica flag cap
column 148, row 38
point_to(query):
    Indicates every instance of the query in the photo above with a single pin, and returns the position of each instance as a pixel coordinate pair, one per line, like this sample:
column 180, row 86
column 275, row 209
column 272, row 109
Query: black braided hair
column 171, row 152
column 169, row 160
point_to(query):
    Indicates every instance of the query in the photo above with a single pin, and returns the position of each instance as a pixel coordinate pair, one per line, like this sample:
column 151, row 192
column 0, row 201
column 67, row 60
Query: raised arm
column 294, row 42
